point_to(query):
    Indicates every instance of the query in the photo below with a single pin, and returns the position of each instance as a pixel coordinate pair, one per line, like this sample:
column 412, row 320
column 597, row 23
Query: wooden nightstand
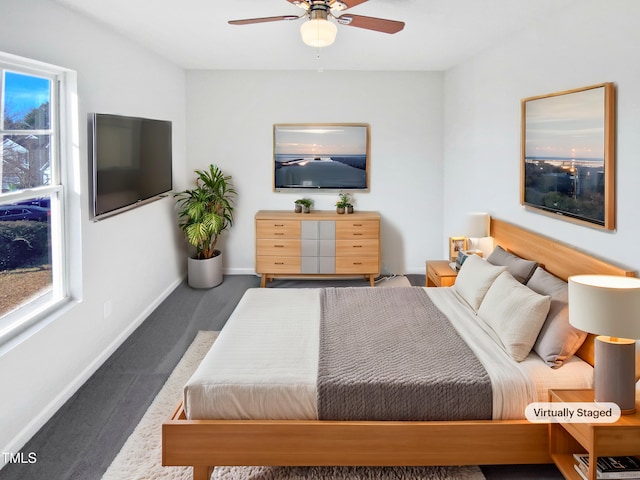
column 596, row 439
column 440, row 274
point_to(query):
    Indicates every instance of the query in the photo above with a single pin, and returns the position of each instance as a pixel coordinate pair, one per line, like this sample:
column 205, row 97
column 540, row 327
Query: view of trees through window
column 25, row 220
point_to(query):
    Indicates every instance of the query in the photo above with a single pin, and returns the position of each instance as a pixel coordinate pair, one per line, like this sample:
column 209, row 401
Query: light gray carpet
column 141, row 455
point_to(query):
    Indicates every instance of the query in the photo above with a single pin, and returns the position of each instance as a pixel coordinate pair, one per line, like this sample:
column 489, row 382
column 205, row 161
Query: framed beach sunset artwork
column 568, row 155
column 321, row 156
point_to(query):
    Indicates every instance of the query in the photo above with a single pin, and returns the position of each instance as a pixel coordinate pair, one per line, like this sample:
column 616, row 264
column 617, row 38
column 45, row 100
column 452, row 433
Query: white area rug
column 141, row 455
column 397, row 281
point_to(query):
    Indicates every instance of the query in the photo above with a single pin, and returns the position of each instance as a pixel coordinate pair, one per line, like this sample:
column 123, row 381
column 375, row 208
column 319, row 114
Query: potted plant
column 344, row 203
column 204, row 213
column 298, row 205
column 306, row 203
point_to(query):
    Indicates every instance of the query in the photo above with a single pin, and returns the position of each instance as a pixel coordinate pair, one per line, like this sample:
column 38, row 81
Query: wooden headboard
column 556, row 257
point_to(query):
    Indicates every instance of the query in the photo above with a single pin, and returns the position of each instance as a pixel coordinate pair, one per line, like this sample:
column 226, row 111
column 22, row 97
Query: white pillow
column 474, row 279
column 515, row 313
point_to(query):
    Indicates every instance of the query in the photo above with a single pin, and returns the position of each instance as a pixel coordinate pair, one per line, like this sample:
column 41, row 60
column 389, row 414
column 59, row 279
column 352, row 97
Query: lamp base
column 614, row 372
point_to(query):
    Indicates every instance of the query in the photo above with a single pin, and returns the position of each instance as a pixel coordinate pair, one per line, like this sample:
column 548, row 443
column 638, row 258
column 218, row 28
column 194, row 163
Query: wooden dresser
column 318, row 244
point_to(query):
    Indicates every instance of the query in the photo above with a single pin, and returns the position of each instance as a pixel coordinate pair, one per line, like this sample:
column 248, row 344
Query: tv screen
column 321, row 156
column 131, row 162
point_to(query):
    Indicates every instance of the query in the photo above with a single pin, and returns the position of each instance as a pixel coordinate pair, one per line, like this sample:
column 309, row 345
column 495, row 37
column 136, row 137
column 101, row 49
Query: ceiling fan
column 318, row 31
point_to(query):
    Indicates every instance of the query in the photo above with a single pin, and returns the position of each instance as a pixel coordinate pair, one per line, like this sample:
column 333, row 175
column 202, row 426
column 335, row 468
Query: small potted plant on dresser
column 204, row 213
column 305, row 203
column 344, row 203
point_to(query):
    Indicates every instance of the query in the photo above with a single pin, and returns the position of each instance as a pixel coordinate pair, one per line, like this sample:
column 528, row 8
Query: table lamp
column 477, row 227
column 609, row 306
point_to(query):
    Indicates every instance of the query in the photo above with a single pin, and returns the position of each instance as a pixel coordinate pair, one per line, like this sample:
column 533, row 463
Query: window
column 33, row 136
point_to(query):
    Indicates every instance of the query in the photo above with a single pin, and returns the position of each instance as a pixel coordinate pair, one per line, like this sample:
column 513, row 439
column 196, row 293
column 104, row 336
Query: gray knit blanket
column 390, row 354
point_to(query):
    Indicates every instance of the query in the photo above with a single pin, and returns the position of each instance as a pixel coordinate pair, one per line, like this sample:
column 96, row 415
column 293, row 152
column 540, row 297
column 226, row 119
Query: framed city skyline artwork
column 568, row 155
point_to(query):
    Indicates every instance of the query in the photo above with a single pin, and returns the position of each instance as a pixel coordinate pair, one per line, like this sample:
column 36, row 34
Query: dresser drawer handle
column 357, row 263
column 357, row 224
column 278, row 233
column 357, row 246
column 279, row 246
column 278, row 224
column 278, row 263
column 357, row 234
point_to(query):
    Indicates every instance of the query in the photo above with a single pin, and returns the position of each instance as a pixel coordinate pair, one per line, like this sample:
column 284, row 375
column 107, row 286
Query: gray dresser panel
column 326, row 248
column 309, row 247
column 309, row 229
column 318, row 240
column 327, row 264
column 327, row 230
column 309, row 265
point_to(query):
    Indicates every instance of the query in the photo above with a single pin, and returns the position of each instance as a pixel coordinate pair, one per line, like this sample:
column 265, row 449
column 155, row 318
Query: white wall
column 132, row 260
column 590, row 42
column 231, row 115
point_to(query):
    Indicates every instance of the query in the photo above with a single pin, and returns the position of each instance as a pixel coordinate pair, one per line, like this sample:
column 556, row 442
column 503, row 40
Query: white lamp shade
column 605, row 305
column 318, row 32
column 477, row 225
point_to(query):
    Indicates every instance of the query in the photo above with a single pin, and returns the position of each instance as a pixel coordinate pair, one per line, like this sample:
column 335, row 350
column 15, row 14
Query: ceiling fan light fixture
column 318, row 32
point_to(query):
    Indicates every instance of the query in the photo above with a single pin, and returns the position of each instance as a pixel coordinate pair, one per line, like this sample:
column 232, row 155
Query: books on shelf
column 609, row 467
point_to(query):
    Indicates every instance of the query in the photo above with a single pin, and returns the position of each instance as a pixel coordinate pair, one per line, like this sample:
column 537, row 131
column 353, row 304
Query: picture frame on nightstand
column 457, row 244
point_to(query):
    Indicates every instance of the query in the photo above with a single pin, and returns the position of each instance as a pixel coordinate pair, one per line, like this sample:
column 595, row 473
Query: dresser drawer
column 288, row 247
column 268, row 264
column 348, row 229
column 362, row 247
column 357, row 265
column 277, row 229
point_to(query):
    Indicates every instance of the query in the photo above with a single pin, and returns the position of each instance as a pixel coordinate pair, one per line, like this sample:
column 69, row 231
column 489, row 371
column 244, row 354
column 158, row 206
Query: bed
column 300, row 439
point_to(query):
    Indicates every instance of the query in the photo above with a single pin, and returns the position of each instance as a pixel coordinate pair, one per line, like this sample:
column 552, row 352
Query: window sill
column 17, row 327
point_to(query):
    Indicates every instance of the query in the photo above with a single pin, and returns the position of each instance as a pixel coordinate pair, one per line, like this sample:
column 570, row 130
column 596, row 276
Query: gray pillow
column 558, row 339
column 520, row 268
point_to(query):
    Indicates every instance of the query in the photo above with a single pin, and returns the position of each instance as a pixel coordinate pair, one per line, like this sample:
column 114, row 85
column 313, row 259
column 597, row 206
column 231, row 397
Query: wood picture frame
column 568, row 155
column 321, row 157
column 457, row 244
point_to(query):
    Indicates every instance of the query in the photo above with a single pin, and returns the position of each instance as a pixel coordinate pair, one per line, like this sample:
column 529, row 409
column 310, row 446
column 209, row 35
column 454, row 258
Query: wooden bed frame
column 205, row 443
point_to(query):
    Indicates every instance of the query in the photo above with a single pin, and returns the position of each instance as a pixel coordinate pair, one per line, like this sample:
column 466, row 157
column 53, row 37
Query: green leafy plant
column 207, row 210
column 344, row 200
column 305, row 202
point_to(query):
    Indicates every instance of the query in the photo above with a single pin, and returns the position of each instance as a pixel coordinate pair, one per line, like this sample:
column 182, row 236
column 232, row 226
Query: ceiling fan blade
column 249, row 21
column 371, row 23
column 300, row 3
column 346, row 3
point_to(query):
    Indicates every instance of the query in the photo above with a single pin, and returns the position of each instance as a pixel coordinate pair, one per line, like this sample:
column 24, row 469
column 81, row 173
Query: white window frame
column 65, row 218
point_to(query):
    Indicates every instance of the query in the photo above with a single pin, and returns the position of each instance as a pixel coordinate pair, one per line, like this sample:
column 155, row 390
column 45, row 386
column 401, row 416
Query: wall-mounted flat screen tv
column 321, row 156
column 131, row 162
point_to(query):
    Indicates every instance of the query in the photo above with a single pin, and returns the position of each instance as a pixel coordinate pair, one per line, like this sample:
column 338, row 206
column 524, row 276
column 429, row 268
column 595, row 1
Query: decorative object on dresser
column 568, row 155
column 303, row 205
column 609, row 306
column 344, row 203
column 324, row 244
column 204, row 213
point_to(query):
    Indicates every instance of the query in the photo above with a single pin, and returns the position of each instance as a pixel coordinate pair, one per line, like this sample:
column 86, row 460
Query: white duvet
column 264, row 363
